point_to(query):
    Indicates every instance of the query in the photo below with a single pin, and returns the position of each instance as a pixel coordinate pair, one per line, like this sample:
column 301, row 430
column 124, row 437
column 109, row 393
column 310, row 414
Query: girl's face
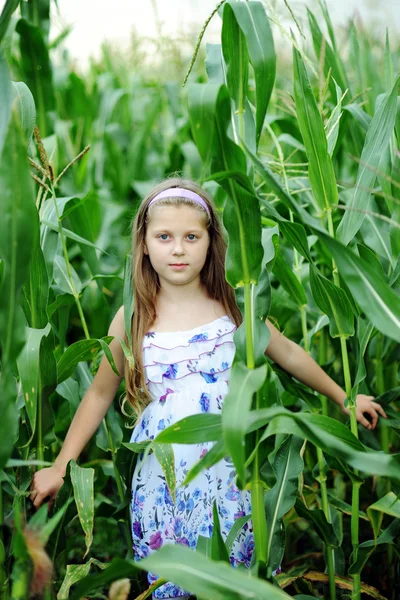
column 176, row 242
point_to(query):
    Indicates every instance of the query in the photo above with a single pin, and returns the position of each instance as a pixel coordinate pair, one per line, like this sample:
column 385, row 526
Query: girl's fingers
column 361, row 419
column 374, row 415
column 38, row 500
column 379, row 409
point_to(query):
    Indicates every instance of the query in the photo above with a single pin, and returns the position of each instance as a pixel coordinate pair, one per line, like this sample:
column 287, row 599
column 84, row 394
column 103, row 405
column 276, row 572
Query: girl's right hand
column 46, row 484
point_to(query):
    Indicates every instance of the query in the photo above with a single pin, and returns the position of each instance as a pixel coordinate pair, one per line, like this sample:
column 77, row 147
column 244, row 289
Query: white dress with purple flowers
column 187, row 372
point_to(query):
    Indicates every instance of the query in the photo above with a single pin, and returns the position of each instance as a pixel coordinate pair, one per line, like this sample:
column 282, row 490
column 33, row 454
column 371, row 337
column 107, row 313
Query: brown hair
column 146, row 284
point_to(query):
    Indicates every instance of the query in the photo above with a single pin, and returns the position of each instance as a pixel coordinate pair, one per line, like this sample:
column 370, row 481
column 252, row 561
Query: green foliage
column 304, row 169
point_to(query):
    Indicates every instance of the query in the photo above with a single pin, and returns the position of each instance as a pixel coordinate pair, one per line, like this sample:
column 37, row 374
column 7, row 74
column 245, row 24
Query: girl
column 182, row 335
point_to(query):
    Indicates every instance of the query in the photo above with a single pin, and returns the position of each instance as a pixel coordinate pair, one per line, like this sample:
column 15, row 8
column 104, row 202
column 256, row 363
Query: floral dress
column 187, row 373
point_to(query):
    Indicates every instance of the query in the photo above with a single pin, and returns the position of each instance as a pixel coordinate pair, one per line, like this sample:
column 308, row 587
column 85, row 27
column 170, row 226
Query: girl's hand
column 366, row 405
column 45, row 484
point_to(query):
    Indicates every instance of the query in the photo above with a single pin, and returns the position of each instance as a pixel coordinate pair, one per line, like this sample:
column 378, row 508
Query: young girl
column 182, row 335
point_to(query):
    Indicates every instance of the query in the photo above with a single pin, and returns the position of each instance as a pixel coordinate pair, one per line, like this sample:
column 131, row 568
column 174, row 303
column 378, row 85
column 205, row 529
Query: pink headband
column 180, row 193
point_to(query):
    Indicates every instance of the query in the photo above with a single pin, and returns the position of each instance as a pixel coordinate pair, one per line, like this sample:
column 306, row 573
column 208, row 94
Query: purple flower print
column 200, row 337
column 143, row 550
column 139, row 501
column 203, row 453
column 171, row 372
column 156, row 541
column 204, row 529
column 168, row 497
column 150, row 334
column 209, row 377
column 177, row 526
column 246, row 550
column 182, row 540
column 163, row 398
column 137, row 529
column 205, row 402
column 197, row 494
column 233, row 493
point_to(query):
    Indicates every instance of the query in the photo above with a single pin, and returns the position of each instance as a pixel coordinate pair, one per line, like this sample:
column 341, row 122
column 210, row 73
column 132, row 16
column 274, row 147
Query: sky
column 94, row 21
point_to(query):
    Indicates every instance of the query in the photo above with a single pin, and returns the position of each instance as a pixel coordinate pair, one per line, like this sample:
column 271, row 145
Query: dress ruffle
column 202, row 350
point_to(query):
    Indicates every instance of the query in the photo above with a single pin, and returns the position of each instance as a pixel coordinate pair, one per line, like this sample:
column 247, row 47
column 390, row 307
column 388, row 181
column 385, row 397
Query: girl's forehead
column 180, row 215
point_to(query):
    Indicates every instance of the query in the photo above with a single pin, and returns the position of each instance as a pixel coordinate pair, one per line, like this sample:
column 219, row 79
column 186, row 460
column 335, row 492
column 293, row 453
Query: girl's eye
column 163, row 234
column 192, row 236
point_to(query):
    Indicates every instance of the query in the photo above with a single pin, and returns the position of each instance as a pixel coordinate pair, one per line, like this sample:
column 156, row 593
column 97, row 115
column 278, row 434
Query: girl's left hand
column 366, row 405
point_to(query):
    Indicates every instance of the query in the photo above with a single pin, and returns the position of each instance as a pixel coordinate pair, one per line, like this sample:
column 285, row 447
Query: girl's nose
column 178, row 249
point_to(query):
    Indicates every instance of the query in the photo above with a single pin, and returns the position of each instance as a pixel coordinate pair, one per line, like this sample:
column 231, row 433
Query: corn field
column 303, row 163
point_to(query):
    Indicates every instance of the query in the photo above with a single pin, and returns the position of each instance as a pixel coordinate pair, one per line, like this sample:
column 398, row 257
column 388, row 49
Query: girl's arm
column 87, row 418
column 296, row 361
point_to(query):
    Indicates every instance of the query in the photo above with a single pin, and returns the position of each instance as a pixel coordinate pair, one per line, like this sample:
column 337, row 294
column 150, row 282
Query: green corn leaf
column 332, row 60
column 5, row 16
column 206, row 578
column 317, row 517
column 218, row 548
column 192, row 571
column 287, row 465
column 69, row 284
column 19, row 231
column 254, row 24
column 288, row 280
column 235, row 530
column 214, row 455
column 368, row 287
column 25, row 104
column 75, row 353
column 360, row 116
column 37, row 370
column 70, row 234
column 376, row 141
column 234, row 49
column 296, row 236
column 82, row 483
column 202, row 100
column 260, row 304
column 74, row 574
column 388, row 505
column 5, row 96
column 165, row 456
column 194, row 429
column 333, row 301
column 37, row 71
column 332, row 126
column 36, row 291
column 320, row 167
column 376, row 236
column 365, row 549
column 330, row 435
column 243, row 383
column 214, row 64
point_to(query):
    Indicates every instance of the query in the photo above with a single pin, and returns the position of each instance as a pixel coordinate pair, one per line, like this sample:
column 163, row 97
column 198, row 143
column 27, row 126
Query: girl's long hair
column 145, row 282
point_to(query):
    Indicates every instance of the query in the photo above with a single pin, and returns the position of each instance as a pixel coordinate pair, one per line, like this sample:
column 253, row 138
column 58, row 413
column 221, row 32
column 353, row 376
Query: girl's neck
column 189, row 295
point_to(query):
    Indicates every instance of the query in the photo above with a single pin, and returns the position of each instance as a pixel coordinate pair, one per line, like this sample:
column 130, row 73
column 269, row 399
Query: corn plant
column 305, row 175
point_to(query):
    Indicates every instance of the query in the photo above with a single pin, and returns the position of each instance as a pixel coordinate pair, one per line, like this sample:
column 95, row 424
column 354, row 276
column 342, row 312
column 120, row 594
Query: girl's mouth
column 178, row 266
